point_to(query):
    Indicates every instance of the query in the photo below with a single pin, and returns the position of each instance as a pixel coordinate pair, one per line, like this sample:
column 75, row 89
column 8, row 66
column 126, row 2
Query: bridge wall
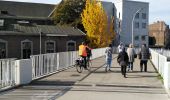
column 162, row 65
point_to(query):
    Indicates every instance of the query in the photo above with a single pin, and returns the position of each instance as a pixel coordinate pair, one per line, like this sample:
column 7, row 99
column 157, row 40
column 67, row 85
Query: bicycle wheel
column 88, row 66
column 79, row 68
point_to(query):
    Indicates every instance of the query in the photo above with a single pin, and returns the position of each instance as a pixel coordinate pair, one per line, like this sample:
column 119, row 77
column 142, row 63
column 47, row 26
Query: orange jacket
column 82, row 50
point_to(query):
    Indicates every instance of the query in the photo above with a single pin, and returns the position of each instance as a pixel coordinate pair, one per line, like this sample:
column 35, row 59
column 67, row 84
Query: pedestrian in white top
column 120, row 47
column 131, row 54
column 108, row 53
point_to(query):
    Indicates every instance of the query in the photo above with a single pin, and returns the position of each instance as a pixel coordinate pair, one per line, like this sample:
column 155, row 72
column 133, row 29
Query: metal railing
column 15, row 72
column 7, row 73
column 163, row 52
column 46, row 64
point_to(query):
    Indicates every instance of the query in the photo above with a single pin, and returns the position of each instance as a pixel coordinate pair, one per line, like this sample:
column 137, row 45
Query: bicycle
column 89, row 64
column 79, row 64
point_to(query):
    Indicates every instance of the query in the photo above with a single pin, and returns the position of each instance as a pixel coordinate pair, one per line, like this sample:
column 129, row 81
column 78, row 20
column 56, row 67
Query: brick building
column 159, row 34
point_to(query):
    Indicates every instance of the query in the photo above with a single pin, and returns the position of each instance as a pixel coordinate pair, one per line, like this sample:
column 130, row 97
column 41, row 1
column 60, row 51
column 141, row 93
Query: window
column 1, row 22
column 143, row 15
column 26, row 49
column 136, row 24
column 3, row 49
column 136, row 38
column 137, row 16
column 50, row 46
column 71, row 45
column 4, row 12
column 143, row 25
column 143, row 38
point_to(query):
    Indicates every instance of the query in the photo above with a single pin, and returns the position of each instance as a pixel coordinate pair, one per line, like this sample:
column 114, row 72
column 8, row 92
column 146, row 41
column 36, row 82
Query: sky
column 159, row 10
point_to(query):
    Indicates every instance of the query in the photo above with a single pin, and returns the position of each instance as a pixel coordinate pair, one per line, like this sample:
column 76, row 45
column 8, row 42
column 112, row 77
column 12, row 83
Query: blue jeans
column 108, row 63
column 130, row 66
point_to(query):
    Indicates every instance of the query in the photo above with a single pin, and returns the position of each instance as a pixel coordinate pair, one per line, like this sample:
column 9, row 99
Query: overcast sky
column 159, row 9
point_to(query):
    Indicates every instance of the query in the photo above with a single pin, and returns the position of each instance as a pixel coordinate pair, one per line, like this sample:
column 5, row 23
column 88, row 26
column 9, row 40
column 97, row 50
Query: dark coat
column 123, row 58
column 144, row 53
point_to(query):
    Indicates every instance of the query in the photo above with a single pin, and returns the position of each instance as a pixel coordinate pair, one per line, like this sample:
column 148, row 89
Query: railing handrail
column 62, row 52
column 8, row 59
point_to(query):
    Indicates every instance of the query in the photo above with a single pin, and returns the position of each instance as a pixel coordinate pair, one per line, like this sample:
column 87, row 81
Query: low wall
column 23, row 71
column 162, row 65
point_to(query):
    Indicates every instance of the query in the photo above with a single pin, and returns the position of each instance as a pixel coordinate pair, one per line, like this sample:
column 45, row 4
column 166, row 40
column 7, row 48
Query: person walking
column 120, row 47
column 108, row 53
column 131, row 54
column 123, row 59
column 144, row 55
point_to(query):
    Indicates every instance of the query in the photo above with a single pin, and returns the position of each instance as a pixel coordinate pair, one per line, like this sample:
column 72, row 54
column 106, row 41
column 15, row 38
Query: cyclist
column 83, row 53
column 89, row 53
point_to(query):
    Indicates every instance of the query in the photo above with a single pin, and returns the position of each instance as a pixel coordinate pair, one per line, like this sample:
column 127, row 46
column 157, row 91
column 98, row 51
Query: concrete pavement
column 95, row 85
column 100, row 85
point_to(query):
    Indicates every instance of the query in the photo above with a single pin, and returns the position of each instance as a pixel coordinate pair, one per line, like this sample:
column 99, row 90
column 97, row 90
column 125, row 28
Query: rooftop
column 50, row 30
column 25, row 9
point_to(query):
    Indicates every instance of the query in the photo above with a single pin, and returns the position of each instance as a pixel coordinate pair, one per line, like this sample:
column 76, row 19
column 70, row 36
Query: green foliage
column 69, row 12
column 160, row 78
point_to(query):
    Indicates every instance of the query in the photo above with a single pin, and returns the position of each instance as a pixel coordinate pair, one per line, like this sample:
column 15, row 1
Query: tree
column 100, row 33
column 68, row 13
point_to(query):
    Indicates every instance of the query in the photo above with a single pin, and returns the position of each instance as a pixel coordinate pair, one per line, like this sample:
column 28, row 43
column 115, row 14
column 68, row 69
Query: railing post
column 24, row 71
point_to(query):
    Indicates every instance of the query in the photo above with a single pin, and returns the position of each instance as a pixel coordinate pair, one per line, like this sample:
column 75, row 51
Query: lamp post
column 119, row 31
column 40, row 59
column 132, row 24
column 40, row 32
column 40, row 42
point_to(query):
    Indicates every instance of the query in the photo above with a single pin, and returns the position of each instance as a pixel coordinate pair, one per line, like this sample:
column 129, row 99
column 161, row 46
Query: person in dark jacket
column 89, row 52
column 123, row 61
column 144, row 55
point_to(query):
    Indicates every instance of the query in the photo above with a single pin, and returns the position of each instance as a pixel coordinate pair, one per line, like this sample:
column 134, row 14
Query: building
column 126, row 11
column 11, row 12
column 25, row 40
column 159, row 35
column 26, row 29
column 111, row 11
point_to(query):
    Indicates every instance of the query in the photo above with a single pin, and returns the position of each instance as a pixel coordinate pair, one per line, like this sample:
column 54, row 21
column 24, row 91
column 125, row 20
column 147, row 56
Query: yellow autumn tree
column 99, row 32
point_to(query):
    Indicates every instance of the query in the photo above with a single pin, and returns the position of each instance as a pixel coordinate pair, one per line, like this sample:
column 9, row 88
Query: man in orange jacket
column 83, row 53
